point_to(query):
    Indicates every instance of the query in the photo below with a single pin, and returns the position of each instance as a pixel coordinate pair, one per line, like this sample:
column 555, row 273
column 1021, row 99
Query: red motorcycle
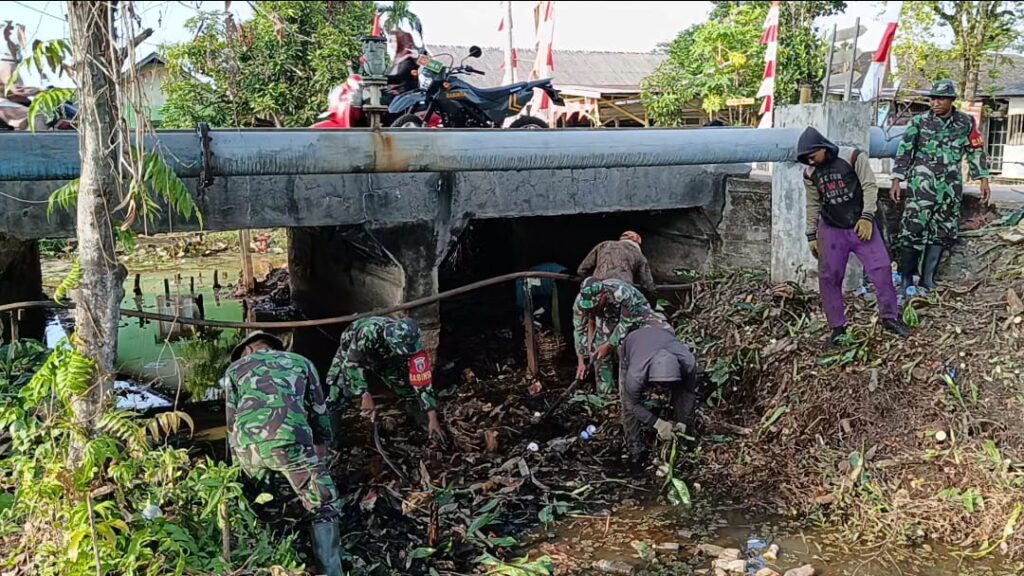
column 403, row 94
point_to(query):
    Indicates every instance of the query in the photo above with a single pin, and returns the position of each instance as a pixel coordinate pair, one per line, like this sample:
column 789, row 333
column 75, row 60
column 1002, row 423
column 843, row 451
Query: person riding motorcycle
column 403, row 63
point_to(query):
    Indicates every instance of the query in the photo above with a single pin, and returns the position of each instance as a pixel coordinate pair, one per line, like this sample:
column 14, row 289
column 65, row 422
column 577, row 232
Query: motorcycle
column 63, row 117
column 459, row 104
column 402, row 94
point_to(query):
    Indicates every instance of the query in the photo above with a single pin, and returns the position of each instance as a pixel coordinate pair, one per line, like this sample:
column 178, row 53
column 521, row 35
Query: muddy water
column 581, row 541
column 142, row 353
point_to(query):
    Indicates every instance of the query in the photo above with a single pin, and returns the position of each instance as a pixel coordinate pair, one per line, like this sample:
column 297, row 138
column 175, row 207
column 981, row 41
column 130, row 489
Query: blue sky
column 611, row 26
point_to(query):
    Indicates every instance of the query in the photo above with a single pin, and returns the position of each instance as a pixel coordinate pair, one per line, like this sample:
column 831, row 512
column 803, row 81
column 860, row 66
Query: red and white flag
column 544, row 65
column 770, row 39
column 875, row 77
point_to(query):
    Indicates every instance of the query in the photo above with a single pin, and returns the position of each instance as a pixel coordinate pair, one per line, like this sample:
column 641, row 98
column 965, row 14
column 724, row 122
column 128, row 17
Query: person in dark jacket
column 841, row 201
column 652, row 359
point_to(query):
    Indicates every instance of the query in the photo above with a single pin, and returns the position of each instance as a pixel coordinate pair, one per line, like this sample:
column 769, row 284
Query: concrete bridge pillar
column 846, row 124
column 349, row 269
column 21, row 279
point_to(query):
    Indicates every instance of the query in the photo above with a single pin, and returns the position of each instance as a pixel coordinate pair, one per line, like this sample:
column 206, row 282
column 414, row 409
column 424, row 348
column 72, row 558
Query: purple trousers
column 835, row 246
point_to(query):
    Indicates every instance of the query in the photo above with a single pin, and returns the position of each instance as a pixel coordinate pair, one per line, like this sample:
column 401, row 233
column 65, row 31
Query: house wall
column 152, row 78
column 1013, row 153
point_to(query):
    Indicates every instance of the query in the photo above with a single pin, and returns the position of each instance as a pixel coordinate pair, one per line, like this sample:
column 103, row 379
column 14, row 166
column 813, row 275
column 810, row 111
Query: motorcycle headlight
column 425, row 78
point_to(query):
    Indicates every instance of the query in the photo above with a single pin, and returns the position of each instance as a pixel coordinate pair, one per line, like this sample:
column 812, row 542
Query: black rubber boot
column 833, row 340
column 327, row 547
column 908, row 267
column 896, row 327
column 932, row 257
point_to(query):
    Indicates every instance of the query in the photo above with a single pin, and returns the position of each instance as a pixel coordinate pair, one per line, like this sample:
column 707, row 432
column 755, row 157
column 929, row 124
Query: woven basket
column 550, row 346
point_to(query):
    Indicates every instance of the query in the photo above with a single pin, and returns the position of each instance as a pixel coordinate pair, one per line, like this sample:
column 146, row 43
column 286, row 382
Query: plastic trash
column 152, row 512
column 613, row 567
column 591, row 429
column 757, row 545
column 532, row 447
column 584, row 435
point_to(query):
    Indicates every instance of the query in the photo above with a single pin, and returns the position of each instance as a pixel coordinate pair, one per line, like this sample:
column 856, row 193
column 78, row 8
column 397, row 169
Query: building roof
column 999, row 77
column 617, row 72
column 151, row 58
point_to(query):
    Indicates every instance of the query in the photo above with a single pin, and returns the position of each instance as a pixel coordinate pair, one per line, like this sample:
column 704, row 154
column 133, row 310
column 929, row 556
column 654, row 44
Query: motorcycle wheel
column 407, row 121
column 528, row 123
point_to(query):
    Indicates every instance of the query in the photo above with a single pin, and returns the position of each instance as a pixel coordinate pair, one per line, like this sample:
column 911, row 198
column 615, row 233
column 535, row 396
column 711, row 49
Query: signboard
column 850, row 33
column 740, row 102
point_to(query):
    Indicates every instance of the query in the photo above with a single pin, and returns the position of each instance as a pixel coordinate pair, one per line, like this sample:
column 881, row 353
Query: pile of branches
column 897, row 441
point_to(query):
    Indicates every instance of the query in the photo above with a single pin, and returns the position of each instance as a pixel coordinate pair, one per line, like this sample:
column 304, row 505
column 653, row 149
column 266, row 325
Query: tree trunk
column 98, row 297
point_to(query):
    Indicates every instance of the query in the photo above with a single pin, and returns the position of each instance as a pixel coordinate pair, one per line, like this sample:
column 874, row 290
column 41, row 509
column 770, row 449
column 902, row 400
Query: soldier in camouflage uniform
column 388, row 350
column 620, row 259
column 617, row 309
column 277, row 421
column 928, row 159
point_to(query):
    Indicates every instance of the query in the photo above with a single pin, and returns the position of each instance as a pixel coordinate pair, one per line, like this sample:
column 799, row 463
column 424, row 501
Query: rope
column 419, row 303
column 412, row 304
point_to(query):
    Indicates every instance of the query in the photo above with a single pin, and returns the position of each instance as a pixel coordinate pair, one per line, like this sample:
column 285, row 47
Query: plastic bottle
column 532, row 447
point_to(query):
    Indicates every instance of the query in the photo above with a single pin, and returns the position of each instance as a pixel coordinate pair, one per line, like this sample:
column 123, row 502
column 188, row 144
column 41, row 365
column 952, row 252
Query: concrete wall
column 746, row 226
column 846, row 124
column 381, row 200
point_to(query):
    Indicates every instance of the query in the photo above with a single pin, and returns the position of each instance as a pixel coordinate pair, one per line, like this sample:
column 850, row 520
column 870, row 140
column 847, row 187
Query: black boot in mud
column 932, row 257
column 834, row 341
column 896, row 327
column 909, row 260
column 327, row 547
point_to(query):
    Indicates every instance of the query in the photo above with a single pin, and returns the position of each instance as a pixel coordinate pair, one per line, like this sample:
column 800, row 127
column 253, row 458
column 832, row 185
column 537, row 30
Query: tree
column 275, row 69
column 723, row 59
column 101, row 286
column 397, row 14
column 980, row 30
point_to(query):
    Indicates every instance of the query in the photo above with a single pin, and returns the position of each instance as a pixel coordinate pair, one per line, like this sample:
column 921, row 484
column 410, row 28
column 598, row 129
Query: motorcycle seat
column 500, row 92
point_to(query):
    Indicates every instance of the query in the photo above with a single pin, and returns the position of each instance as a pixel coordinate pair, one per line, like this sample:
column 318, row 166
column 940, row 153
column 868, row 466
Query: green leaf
column 263, row 498
column 420, row 553
column 679, row 494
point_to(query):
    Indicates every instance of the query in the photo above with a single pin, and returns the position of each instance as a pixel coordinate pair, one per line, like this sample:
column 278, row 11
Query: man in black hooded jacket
column 841, row 200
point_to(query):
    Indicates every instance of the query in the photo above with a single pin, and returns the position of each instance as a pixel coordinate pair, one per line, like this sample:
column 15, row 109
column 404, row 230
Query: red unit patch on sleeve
column 419, row 370
column 975, row 139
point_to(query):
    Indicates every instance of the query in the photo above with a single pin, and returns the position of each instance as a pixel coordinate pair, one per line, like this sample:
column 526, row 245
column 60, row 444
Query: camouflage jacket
column 627, row 310
column 274, row 398
column 363, row 353
column 934, row 147
column 619, row 260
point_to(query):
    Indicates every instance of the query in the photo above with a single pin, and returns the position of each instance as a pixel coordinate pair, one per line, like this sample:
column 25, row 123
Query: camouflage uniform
column 619, row 260
column 928, row 160
column 268, row 395
column 627, row 309
column 368, row 348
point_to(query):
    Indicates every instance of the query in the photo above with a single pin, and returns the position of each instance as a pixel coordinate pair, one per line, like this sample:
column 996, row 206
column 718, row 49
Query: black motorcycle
column 462, row 105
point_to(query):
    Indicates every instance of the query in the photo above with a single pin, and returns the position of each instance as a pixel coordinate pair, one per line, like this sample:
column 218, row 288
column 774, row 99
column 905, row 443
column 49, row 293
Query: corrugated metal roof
column 624, row 70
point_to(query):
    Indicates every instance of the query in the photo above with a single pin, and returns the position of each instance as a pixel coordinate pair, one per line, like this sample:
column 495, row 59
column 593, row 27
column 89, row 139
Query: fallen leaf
column 491, row 439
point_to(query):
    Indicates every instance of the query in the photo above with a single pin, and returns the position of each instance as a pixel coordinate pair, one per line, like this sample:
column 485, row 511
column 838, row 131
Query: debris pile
column 896, row 441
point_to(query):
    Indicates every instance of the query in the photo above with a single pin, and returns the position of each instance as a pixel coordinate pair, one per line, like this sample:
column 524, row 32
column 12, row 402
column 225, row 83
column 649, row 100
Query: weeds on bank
column 120, row 500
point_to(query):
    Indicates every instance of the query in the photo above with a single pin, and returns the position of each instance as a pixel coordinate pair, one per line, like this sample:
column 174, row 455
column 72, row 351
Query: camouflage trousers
column 931, row 214
column 301, row 468
column 604, row 373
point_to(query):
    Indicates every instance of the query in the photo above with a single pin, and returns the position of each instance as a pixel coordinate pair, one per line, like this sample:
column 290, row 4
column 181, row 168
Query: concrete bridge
column 372, row 216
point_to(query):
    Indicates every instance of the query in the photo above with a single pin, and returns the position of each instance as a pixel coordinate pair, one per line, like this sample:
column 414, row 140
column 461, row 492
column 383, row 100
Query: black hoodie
column 842, row 190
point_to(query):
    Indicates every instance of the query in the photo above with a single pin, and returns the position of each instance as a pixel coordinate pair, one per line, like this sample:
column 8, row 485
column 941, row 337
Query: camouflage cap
column 943, row 89
column 267, row 337
column 590, row 292
column 403, row 336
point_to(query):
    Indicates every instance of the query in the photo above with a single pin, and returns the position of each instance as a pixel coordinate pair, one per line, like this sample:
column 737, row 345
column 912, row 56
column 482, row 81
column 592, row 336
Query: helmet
column 403, row 336
column 267, row 337
column 664, row 368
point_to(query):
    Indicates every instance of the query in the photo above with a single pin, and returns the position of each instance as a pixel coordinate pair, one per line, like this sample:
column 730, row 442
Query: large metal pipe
column 54, row 155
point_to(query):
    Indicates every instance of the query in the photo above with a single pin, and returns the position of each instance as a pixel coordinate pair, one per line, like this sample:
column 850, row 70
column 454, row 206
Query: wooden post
column 531, row 344
column 244, row 240
column 138, row 285
column 805, row 94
